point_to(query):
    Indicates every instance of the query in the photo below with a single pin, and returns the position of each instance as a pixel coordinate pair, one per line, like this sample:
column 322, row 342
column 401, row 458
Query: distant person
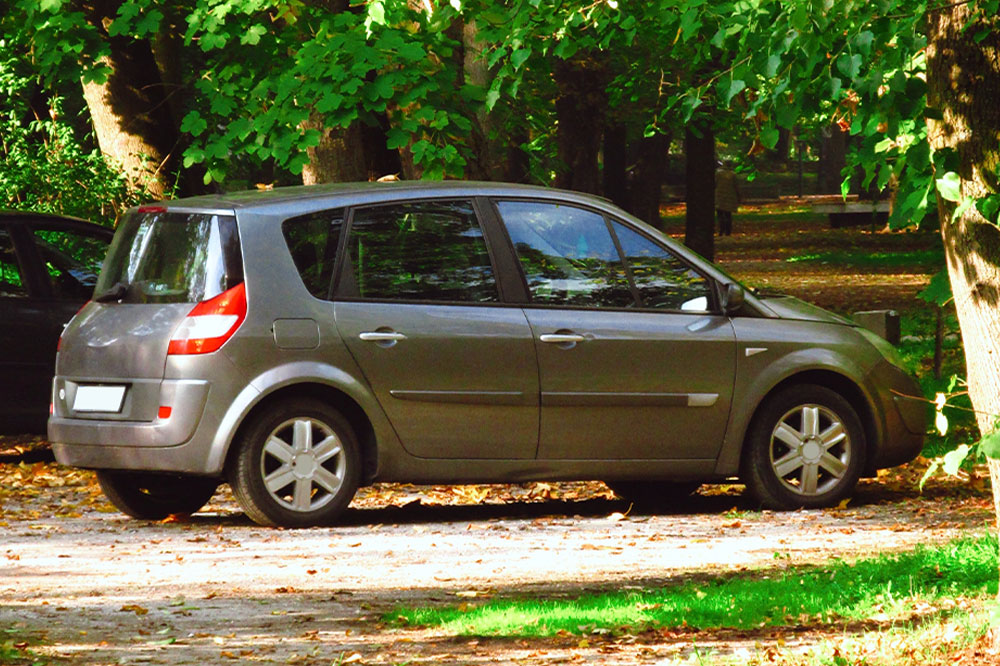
column 727, row 197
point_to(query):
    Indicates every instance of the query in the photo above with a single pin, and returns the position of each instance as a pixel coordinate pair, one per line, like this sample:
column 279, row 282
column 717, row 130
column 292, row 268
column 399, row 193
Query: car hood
column 789, row 307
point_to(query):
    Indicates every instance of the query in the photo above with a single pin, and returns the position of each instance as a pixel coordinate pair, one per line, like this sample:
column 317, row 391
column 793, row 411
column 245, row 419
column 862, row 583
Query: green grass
column 14, row 650
column 863, row 259
column 889, row 584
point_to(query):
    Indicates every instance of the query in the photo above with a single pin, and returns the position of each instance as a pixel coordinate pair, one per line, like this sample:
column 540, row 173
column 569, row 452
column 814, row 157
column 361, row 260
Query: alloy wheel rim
column 302, row 464
column 810, row 450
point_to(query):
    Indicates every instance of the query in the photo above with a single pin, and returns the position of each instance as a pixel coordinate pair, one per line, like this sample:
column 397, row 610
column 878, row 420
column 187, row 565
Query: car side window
column 312, row 242
column 567, row 254
column 663, row 280
column 424, row 251
column 72, row 261
column 11, row 282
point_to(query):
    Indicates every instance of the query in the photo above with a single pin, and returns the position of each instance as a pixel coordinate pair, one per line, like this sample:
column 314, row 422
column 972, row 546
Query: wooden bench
column 851, row 213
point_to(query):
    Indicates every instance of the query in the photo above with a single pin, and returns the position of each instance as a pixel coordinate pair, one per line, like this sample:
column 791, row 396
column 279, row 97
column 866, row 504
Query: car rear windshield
column 161, row 256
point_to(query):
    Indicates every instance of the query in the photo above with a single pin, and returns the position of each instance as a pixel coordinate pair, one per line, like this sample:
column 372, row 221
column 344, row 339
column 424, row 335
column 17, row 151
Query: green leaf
column 253, row 34
column 990, row 445
column 518, row 57
column 735, row 87
column 849, row 65
column 989, row 207
column 949, row 186
column 769, row 137
column 773, row 63
column 194, row 124
column 938, row 291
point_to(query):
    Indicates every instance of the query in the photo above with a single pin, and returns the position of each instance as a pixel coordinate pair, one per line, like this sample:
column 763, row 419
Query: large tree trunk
column 580, row 107
column 648, row 176
column 963, row 81
column 130, row 110
column 338, row 158
column 699, row 151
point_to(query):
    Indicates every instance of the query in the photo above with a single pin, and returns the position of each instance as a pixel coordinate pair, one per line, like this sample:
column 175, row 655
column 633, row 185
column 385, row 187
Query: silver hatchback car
column 301, row 342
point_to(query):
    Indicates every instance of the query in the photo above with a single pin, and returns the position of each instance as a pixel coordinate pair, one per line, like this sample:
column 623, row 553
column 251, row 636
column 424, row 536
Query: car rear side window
column 425, row 251
column 11, row 282
column 312, row 242
column 567, row 254
column 173, row 257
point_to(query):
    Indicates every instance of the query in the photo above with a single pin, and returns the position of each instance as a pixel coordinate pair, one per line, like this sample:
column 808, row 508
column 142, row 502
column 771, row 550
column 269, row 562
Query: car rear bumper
column 110, row 441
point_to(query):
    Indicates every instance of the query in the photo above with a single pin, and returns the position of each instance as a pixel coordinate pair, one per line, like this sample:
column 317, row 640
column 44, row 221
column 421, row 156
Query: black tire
column 654, row 495
column 279, row 478
column 155, row 496
column 805, row 449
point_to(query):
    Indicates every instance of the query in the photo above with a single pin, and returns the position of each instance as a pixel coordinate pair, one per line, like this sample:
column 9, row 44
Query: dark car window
column 567, row 254
column 173, row 257
column 663, row 280
column 11, row 283
column 312, row 242
column 419, row 251
column 72, row 260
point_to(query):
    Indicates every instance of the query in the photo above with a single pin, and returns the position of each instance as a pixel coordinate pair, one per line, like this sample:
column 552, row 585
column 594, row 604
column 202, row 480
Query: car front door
column 418, row 306
column 634, row 361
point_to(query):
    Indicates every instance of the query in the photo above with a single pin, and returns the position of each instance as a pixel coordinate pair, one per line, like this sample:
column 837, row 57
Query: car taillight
column 211, row 323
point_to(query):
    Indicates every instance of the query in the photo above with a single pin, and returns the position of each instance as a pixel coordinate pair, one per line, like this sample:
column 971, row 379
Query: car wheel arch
column 356, row 416
column 843, row 385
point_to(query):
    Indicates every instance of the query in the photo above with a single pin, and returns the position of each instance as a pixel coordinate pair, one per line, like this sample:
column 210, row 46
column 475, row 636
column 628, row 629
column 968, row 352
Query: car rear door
column 418, row 306
column 634, row 361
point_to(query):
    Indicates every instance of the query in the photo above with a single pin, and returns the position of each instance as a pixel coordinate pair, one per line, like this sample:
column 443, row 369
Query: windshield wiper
column 116, row 292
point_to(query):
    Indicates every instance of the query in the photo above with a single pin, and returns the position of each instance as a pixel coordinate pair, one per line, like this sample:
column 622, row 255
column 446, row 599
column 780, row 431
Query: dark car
column 48, row 268
column 300, row 342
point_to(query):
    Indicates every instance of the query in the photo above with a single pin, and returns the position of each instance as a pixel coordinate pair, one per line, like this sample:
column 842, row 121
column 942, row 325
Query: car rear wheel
column 296, row 465
column 805, row 448
column 155, row 496
column 654, row 495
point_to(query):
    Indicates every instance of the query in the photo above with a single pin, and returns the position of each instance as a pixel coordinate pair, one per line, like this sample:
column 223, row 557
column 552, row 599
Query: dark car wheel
column 155, row 496
column 805, row 448
column 297, row 465
column 654, row 495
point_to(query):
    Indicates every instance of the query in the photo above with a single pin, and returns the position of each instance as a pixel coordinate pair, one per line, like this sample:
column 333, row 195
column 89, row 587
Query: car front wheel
column 805, row 448
column 297, row 465
column 155, row 496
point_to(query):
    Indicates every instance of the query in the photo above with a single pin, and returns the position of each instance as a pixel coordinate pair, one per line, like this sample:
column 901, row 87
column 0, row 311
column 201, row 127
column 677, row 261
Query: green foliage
column 891, row 584
column 44, row 167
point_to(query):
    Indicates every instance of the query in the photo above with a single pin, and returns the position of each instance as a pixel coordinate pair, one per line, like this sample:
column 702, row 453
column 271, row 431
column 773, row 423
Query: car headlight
column 888, row 351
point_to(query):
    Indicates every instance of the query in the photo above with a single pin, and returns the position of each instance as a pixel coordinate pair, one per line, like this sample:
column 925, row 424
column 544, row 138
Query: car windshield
column 166, row 257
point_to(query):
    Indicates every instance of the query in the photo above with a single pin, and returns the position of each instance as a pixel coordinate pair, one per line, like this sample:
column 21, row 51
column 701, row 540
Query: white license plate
column 98, row 398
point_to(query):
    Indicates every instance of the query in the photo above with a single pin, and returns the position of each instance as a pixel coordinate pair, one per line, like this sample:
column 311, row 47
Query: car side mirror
column 732, row 298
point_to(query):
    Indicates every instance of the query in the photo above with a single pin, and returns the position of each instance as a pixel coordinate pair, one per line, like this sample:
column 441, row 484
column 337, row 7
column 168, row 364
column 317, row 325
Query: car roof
column 360, row 193
column 30, row 217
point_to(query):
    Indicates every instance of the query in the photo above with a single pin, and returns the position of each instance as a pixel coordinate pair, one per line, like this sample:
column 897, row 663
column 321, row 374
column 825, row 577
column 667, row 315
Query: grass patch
column 888, row 585
column 861, row 259
column 14, row 650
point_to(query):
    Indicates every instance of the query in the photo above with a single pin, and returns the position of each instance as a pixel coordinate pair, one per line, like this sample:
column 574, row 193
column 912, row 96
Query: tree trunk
column 487, row 152
column 648, row 176
column 580, row 107
column 613, row 175
column 338, row 158
column 699, row 151
column 963, row 82
column 130, row 110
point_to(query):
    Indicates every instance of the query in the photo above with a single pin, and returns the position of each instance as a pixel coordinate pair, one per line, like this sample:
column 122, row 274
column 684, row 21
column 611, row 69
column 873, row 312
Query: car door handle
column 381, row 336
column 561, row 338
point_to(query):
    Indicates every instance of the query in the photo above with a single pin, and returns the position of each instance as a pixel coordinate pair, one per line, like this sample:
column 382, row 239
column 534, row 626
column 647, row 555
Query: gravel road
column 98, row 588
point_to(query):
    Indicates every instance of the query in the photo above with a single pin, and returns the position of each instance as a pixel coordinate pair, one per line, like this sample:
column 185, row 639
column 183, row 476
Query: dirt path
column 98, row 588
